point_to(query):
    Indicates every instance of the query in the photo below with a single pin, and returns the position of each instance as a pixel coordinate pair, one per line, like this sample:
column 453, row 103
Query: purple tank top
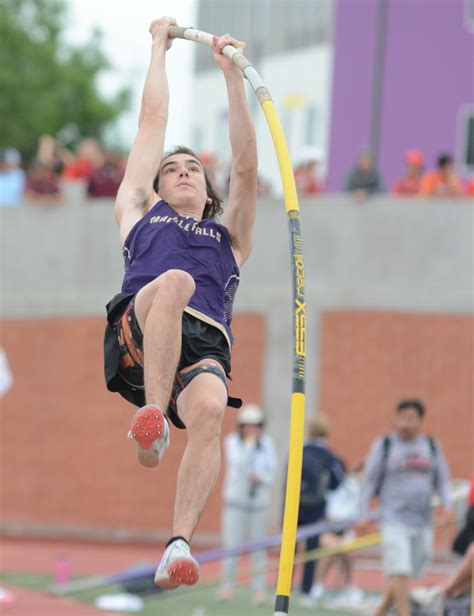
column 163, row 240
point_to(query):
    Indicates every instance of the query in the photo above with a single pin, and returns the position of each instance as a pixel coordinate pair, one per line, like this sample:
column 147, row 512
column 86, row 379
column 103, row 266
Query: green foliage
column 45, row 84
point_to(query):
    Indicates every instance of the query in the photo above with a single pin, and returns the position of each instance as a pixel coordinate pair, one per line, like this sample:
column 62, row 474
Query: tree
column 47, row 85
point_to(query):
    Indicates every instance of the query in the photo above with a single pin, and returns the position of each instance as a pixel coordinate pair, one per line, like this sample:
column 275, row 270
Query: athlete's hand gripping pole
column 290, row 520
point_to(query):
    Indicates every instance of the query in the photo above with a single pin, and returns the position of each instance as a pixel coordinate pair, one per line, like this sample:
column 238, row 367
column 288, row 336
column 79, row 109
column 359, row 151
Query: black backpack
column 315, row 479
column 386, row 450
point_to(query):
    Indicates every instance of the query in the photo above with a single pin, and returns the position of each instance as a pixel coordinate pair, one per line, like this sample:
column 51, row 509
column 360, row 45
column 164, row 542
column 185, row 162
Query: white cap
column 250, row 414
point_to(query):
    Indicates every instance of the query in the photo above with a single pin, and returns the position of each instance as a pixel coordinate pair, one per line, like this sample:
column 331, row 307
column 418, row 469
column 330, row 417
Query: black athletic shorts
column 123, row 354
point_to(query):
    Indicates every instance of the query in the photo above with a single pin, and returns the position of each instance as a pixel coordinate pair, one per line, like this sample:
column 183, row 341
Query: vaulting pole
column 285, row 572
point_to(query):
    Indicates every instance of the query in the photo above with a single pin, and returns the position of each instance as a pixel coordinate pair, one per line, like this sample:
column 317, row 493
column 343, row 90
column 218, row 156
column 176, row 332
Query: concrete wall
column 389, row 253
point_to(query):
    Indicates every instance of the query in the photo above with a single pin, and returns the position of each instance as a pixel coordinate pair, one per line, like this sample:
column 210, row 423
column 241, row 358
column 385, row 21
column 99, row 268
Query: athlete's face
column 183, row 184
column 408, row 424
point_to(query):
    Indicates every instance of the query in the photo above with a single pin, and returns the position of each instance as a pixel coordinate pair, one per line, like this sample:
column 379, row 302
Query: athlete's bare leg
column 201, row 407
column 159, row 309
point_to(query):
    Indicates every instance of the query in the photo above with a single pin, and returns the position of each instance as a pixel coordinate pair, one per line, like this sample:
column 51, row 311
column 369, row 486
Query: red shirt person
column 306, row 179
column 105, row 181
column 42, row 185
column 308, row 173
column 410, row 184
column 89, row 157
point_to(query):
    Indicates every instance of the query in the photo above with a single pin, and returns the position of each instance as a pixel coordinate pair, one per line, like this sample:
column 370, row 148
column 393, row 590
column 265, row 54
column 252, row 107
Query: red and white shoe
column 177, row 567
column 150, row 430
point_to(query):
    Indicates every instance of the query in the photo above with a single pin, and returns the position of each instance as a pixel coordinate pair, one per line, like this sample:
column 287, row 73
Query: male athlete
column 168, row 339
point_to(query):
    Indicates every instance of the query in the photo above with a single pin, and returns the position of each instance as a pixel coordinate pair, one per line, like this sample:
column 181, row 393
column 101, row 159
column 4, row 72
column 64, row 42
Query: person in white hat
column 250, row 470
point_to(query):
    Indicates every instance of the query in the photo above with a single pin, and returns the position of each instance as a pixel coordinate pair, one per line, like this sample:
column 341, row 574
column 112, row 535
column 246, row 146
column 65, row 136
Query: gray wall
column 388, row 254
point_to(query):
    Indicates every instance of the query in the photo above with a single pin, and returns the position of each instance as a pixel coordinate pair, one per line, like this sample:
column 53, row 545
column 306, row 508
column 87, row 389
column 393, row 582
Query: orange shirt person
column 470, row 188
column 410, row 184
column 89, row 158
column 443, row 182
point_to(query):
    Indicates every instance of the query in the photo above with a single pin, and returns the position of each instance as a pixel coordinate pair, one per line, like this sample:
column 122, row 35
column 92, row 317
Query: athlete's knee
column 175, row 285
column 204, row 420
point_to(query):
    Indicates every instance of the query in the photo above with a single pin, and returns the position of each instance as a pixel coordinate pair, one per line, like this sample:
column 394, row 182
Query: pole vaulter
column 290, row 520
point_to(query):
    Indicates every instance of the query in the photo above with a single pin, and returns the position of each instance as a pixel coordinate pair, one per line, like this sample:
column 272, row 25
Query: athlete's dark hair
column 211, row 210
column 412, row 404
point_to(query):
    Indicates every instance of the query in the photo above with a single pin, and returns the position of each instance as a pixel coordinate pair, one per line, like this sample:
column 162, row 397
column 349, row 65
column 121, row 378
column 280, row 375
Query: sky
column 126, row 42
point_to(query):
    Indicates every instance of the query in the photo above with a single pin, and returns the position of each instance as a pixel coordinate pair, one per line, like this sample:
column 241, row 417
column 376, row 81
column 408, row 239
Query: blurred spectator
column 105, row 181
column 342, row 506
column 410, row 184
column 53, row 155
column 322, row 471
column 470, row 188
column 209, row 163
column 42, row 185
column 6, row 376
column 308, row 173
column 89, row 157
column 251, row 463
column 12, row 178
column 217, row 172
column 444, row 182
column 402, row 470
column 364, row 180
column 306, row 179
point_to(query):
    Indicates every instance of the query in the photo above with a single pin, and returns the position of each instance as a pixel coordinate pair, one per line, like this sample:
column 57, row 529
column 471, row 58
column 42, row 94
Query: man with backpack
column 403, row 469
column 322, row 471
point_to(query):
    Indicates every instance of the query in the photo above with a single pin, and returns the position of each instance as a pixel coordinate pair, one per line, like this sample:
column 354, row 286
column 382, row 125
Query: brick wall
column 66, row 460
column 370, row 360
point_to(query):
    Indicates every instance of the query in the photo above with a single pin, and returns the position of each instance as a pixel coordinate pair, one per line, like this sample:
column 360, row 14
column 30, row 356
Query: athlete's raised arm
column 136, row 193
column 239, row 214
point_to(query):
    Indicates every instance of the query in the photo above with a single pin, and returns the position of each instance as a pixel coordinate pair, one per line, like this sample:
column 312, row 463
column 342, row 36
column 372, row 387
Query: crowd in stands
column 101, row 171
column 365, row 179
column 43, row 179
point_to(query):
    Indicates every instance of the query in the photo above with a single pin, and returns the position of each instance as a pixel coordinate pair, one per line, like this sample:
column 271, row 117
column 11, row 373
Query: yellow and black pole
column 290, row 521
